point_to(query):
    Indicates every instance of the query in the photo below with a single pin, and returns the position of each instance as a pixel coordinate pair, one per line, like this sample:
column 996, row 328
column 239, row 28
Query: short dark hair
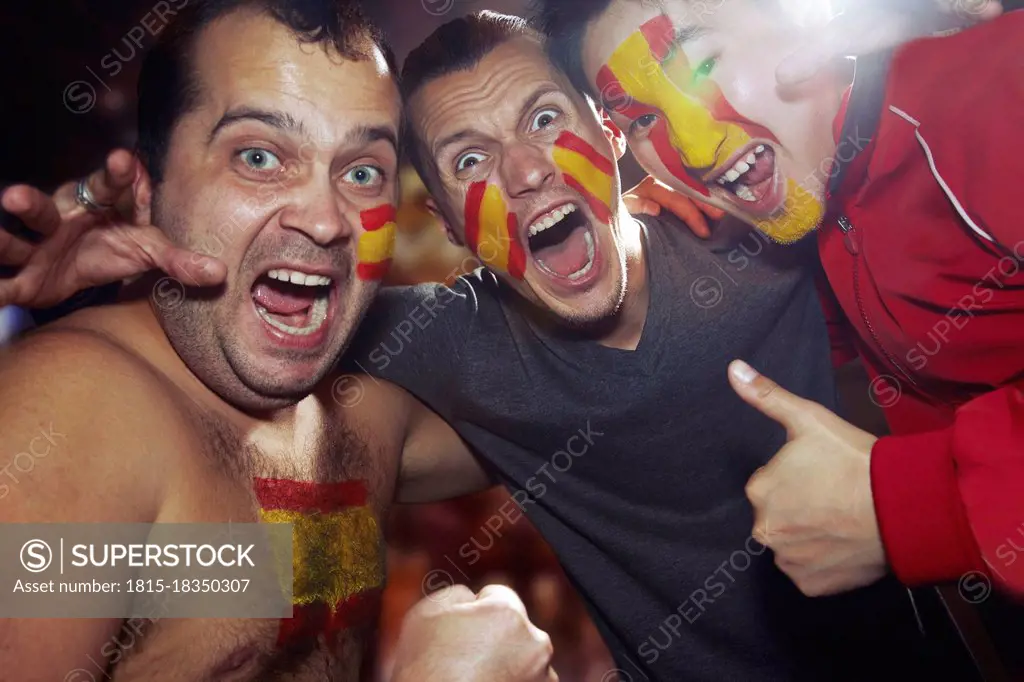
column 458, row 45
column 566, row 21
column 168, row 88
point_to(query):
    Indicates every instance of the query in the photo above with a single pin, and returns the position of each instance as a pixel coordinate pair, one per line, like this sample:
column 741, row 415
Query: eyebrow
column 363, row 134
column 275, row 119
column 366, row 134
column 683, row 35
column 530, row 102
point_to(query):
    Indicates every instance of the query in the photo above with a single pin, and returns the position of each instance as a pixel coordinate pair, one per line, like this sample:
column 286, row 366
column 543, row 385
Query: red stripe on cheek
column 600, row 210
column 303, row 496
column 371, row 272
column 376, row 218
column 577, row 144
column 516, row 254
column 723, row 111
column 669, row 156
column 474, row 200
column 659, row 34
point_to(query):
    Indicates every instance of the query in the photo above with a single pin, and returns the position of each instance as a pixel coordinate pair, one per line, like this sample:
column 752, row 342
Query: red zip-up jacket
column 924, row 250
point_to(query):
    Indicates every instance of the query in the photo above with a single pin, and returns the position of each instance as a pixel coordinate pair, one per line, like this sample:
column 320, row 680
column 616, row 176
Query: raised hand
column 812, row 502
column 868, row 26
column 83, row 248
column 454, row 635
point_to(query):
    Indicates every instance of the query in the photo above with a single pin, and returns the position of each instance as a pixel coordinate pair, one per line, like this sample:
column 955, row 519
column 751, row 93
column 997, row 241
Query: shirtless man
column 575, row 365
column 211, row 409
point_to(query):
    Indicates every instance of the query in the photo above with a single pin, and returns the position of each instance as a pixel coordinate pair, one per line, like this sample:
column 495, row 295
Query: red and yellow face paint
column 492, row 231
column 337, row 564
column 588, row 172
column 697, row 128
column 377, row 244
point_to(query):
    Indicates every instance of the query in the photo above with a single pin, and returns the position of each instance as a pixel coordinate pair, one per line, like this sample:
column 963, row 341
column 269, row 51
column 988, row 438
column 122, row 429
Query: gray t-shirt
column 633, row 464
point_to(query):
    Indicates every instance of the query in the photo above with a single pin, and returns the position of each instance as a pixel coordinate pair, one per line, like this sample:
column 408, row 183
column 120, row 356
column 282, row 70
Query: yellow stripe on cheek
column 700, row 139
column 493, row 241
column 336, row 555
column 598, row 183
column 376, row 246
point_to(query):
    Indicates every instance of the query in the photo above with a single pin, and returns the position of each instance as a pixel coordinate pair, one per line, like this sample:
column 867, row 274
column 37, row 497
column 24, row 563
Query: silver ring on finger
column 84, row 198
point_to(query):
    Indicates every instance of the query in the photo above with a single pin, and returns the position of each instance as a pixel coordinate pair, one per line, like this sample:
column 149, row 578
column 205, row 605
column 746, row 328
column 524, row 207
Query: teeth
column 317, row 315
column 745, row 193
column 550, row 219
column 300, row 278
column 740, row 167
column 590, row 258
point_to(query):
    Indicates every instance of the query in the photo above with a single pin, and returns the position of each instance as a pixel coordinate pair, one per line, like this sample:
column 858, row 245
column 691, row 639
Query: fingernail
column 743, row 372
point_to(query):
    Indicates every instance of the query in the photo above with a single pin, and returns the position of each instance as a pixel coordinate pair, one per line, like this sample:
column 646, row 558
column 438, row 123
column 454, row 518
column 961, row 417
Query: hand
column 650, row 196
column 456, row 636
column 82, row 249
column 812, row 502
column 875, row 25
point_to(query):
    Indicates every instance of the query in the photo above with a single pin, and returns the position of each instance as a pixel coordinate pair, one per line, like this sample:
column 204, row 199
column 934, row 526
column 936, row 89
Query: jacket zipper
column 850, row 238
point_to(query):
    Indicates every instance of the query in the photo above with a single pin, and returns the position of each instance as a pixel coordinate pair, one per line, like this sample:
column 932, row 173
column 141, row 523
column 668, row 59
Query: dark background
column 55, row 55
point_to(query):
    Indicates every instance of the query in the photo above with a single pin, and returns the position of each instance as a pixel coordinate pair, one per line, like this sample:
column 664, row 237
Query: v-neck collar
column 589, row 355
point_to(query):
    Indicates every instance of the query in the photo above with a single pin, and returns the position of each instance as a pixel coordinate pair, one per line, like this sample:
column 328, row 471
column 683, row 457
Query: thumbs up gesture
column 812, row 502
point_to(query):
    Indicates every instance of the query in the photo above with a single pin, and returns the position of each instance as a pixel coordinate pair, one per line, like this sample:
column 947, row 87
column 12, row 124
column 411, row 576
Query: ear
column 439, row 214
column 142, row 191
column 614, row 135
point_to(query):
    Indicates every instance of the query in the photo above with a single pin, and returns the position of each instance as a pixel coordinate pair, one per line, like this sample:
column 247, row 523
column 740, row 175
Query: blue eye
column 468, row 160
column 363, row 176
column 704, row 69
column 260, row 159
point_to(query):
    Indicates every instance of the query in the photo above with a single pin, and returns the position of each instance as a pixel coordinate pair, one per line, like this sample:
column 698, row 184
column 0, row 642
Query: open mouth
column 293, row 303
column 561, row 243
column 751, row 179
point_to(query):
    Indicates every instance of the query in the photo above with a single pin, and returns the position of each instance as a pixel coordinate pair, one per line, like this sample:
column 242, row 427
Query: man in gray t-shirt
column 586, row 368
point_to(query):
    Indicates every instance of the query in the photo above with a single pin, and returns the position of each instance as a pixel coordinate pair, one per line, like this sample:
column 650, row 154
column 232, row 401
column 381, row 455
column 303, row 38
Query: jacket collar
column 860, row 114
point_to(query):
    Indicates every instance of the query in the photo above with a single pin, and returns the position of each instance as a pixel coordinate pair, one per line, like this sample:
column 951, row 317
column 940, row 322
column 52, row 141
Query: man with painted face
column 576, row 363
column 170, row 408
column 906, row 174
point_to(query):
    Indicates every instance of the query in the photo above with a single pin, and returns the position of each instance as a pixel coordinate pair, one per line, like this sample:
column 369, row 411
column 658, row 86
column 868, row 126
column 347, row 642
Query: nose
column 317, row 210
column 526, row 168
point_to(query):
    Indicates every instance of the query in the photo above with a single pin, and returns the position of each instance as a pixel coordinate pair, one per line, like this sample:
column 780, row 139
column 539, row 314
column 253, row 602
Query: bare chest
column 332, row 481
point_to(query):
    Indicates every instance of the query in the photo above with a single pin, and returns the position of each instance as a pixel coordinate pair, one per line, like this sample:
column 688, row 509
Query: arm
column 436, row 463
column 950, row 501
column 84, row 443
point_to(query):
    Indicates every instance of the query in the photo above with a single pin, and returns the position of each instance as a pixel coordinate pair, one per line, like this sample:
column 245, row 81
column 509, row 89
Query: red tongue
column 761, row 170
column 566, row 257
column 283, row 299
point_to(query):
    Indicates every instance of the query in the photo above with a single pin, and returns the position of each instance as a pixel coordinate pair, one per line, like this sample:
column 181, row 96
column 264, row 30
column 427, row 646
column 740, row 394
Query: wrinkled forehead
column 247, row 59
column 486, row 98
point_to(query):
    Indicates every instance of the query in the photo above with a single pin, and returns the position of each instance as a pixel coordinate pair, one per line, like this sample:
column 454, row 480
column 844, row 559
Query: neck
column 632, row 315
column 144, row 333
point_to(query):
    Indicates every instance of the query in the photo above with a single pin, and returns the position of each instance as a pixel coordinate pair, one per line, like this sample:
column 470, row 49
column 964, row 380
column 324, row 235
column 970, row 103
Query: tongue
column 566, row 257
column 283, row 299
column 761, row 170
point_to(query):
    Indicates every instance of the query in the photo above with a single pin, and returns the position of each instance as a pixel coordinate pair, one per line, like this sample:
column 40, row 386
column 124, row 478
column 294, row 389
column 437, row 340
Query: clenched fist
column 457, row 636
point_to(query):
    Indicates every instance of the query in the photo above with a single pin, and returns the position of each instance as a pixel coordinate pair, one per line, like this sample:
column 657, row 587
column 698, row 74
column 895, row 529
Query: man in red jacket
column 909, row 175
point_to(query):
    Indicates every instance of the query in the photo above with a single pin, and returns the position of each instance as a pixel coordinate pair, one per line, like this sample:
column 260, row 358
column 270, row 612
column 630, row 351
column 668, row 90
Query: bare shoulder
column 85, row 423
